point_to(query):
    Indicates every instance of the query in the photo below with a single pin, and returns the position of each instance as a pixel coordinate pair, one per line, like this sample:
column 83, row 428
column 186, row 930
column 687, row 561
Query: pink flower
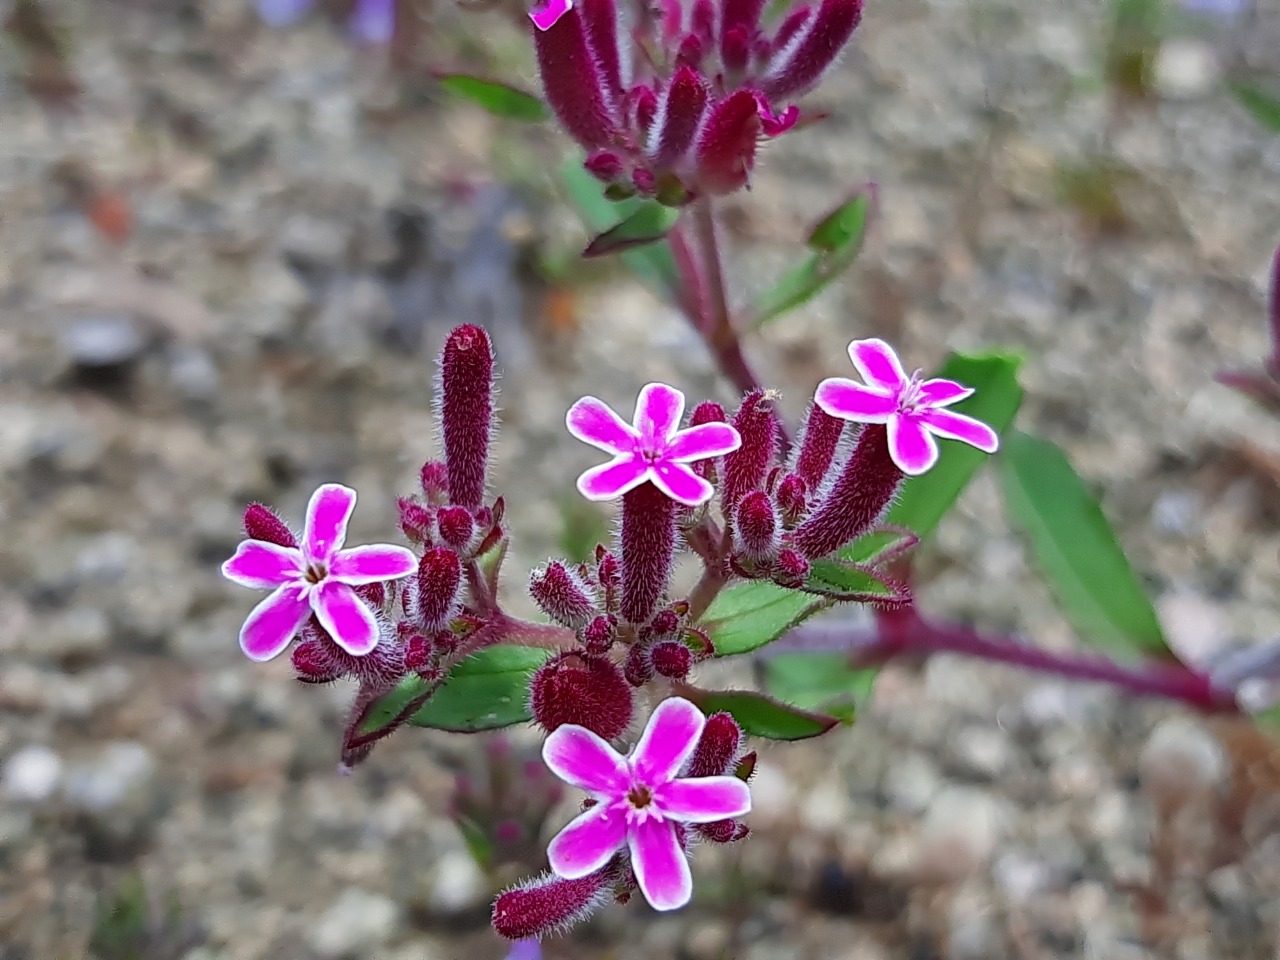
column 315, row 578
column 547, row 12
column 652, row 448
column 913, row 409
column 639, row 801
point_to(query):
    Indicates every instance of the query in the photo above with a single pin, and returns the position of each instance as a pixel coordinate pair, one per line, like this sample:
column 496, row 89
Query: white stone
column 458, row 884
column 31, row 775
column 1186, row 68
column 358, row 924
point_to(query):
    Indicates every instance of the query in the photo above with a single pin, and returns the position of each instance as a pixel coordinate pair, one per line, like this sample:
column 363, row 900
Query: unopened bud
column 638, row 667
column 418, row 653
column 717, row 752
column 465, row 412
column 313, row 663
column 578, row 688
column 417, row 521
column 547, row 904
column 563, row 595
column 599, row 634
column 792, row 499
column 746, row 468
column 755, row 528
column 439, row 578
column 790, row 569
column 723, row 831
column 456, row 527
column 605, row 165
column 434, row 478
column 664, row 623
column 262, row 523
column 671, row 659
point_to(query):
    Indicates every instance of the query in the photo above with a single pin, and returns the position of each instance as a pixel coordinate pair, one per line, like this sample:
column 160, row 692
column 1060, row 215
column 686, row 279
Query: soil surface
column 285, row 229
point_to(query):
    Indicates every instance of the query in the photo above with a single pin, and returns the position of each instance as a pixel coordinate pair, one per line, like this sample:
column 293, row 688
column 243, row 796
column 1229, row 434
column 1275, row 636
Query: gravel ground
column 305, row 230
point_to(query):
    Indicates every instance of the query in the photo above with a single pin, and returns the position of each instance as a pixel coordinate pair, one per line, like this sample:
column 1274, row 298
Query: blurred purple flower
column 1226, row 9
column 373, row 21
column 281, row 13
column 527, row 949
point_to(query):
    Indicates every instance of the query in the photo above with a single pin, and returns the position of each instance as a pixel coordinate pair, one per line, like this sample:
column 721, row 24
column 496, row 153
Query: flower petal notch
column 316, row 578
column 913, row 409
column 651, row 449
column 640, row 800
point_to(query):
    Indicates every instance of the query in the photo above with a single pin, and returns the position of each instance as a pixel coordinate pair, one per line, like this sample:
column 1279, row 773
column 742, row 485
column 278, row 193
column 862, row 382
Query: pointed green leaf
column 498, row 98
column 1076, row 548
column 819, row 681
column 652, row 264
column 747, row 616
column 836, row 242
column 762, row 716
column 1263, row 106
column 486, row 691
column 647, row 223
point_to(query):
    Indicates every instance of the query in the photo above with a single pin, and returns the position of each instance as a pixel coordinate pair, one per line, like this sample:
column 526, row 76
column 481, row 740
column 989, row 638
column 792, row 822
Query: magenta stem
column 1273, row 362
column 914, row 637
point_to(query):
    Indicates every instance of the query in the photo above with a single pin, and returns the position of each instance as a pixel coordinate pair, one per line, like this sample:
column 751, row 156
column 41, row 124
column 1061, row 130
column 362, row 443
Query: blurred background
column 228, row 251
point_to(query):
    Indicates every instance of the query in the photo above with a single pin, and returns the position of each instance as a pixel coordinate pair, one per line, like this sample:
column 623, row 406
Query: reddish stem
column 1273, row 362
column 705, row 299
column 916, row 638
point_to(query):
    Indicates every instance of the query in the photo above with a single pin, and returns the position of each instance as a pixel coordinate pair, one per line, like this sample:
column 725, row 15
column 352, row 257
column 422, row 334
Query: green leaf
column 762, row 716
column 652, row 264
column 1076, row 548
column 479, row 844
column 749, row 615
column 486, row 691
column 836, row 242
column 497, row 98
column 845, row 581
column 647, row 223
column 925, row 499
column 819, row 681
column 1263, row 106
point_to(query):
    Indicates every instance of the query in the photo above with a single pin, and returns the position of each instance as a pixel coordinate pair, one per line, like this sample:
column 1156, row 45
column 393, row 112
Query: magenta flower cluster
column 674, row 104
column 708, row 482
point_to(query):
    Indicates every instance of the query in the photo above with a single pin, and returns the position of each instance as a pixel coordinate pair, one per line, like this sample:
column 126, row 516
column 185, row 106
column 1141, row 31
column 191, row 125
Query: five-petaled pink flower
column 316, row 578
column 639, row 801
column 652, row 449
column 913, row 409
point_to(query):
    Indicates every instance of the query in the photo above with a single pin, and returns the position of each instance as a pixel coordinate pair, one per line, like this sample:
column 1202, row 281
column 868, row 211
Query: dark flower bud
column 465, row 410
column 755, row 529
column 599, row 634
column 790, row 569
column 563, row 595
column 586, row 690
column 262, row 523
column 671, row 659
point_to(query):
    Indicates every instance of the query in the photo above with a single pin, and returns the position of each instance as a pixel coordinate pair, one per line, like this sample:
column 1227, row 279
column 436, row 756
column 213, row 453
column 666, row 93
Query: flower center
column 910, row 395
column 315, row 572
column 639, row 796
column 648, row 454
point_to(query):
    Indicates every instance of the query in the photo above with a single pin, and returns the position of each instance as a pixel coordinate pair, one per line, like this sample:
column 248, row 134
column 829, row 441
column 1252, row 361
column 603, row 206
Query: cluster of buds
column 715, row 485
column 671, row 101
column 378, row 614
